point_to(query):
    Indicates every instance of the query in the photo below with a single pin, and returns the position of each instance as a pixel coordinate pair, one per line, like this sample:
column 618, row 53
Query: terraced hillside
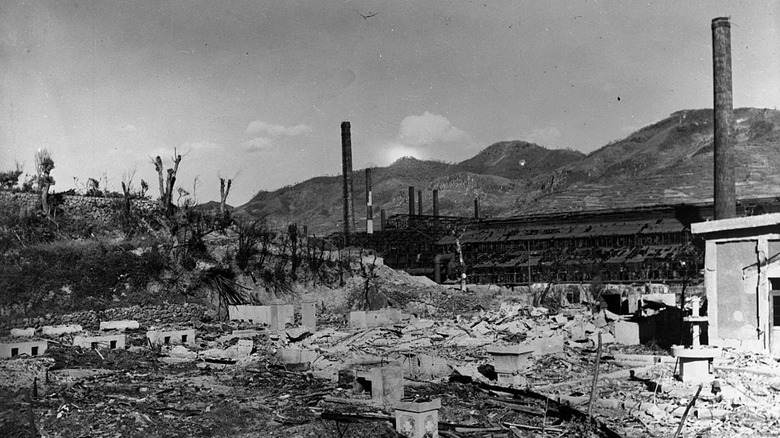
column 668, row 162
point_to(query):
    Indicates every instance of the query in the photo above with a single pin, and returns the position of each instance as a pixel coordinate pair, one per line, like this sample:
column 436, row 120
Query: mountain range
column 668, row 162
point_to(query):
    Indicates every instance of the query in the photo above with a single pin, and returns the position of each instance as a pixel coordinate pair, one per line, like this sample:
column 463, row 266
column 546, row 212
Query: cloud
column 394, row 150
column 269, row 129
column 257, row 144
column 428, row 128
column 547, row 136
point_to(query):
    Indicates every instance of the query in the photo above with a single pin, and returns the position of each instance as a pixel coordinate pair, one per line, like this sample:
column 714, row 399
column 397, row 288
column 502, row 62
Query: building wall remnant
column 742, row 279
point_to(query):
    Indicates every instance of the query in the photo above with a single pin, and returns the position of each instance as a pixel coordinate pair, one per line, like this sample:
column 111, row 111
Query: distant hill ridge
column 667, row 162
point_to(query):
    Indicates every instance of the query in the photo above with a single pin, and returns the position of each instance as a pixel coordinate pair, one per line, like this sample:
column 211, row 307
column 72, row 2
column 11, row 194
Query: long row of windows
column 583, row 242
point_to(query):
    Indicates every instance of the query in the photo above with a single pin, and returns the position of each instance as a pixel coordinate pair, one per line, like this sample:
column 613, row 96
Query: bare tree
column 167, row 181
column 224, row 190
column 44, row 164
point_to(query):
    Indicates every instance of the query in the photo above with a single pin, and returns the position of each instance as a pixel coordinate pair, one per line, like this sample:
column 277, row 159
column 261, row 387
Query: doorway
column 774, row 316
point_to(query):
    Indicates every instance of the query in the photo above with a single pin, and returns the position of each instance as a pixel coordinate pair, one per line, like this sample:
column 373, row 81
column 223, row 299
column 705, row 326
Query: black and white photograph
column 412, row 219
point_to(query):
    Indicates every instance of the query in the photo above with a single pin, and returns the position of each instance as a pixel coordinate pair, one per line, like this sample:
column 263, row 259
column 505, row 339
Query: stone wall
column 147, row 316
column 92, row 208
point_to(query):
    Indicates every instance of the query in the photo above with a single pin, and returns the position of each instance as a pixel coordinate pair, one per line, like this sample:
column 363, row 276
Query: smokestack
column 419, row 202
column 369, row 204
column 725, row 189
column 346, row 167
column 476, row 208
column 435, row 203
column 382, row 219
column 411, row 200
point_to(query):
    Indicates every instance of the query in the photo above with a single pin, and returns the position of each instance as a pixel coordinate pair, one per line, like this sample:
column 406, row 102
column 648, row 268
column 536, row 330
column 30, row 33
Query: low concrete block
column 296, row 355
column 386, row 384
column 59, row 330
column 626, row 333
column 358, row 320
column 121, row 325
column 250, row 313
column 374, row 318
column 23, row 333
column 510, row 379
column 512, row 359
column 425, row 366
column 696, row 370
column 30, row 348
column 377, row 318
column 259, row 314
column 171, row 337
column 242, row 349
column 309, row 314
column 418, row 420
column 110, row 342
column 280, row 314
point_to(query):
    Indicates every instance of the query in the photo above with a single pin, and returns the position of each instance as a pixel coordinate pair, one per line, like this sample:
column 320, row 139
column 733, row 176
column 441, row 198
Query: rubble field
column 244, row 380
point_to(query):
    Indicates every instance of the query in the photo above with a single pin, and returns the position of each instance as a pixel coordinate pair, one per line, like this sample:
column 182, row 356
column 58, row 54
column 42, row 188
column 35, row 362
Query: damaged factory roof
column 567, row 231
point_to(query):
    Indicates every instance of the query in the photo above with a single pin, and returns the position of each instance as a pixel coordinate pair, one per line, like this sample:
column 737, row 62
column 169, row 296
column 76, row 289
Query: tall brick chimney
column 435, row 203
column 369, row 204
column 411, row 200
column 725, row 188
column 346, row 167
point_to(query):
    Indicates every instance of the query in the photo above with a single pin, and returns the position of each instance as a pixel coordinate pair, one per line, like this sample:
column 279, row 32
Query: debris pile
column 499, row 367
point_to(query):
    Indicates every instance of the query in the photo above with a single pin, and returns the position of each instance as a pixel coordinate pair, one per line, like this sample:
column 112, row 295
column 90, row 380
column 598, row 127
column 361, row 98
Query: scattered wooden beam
column 687, row 409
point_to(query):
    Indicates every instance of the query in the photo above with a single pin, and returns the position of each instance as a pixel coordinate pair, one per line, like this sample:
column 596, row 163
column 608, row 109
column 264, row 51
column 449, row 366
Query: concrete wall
column 7, row 349
column 737, row 273
column 259, row 314
column 173, row 337
column 103, row 342
column 737, row 298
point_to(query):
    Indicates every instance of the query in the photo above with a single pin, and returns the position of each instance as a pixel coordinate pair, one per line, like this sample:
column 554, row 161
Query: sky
column 256, row 90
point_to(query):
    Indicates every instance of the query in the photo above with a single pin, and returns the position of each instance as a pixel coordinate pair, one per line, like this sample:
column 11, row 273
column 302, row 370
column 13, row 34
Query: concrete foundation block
column 418, row 420
column 425, row 366
column 121, row 325
column 386, row 384
column 627, row 333
column 377, row 318
column 357, row 320
column 309, row 314
column 696, row 370
column 281, row 314
column 251, row 314
column 511, row 379
column 110, row 342
column 30, row 348
column 296, row 355
column 171, row 337
column 59, row 330
column 510, row 359
column 23, row 333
